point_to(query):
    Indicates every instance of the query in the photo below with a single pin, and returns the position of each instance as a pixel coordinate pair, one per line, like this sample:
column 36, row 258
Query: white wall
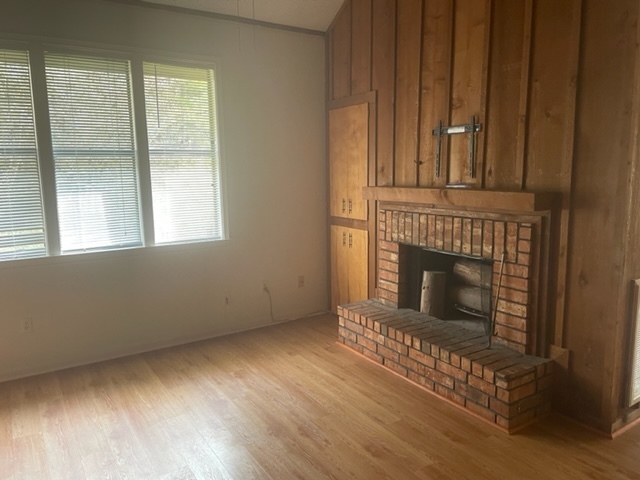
column 271, row 96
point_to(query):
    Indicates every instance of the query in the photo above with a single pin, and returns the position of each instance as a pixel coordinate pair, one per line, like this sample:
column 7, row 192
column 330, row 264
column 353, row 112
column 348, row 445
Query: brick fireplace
column 474, row 234
column 501, row 382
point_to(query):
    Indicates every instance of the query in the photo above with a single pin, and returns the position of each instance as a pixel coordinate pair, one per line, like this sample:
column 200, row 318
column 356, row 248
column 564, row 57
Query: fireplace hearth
column 496, row 384
column 494, row 372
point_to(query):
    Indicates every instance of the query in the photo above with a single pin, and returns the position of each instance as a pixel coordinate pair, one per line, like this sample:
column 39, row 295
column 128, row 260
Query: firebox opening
column 464, row 298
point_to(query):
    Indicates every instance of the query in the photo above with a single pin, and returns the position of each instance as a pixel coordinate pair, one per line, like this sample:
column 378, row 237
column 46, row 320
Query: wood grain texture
column 277, row 403
column 486, row 200
column 340, row 147
column 383, row 66
column 435, row 90
column 470, row 28
column 358, row 162
column 360, row 46
column 339, row 266
column 622, row 359
column 600, row 192
column 358, row 265
column 348, row 160
column 525, row 78
column 551, row 105
column 560, row 255
column 341, row 53
column 503, row 117
column 408, row 58
column 479, row 167
column 349, row 265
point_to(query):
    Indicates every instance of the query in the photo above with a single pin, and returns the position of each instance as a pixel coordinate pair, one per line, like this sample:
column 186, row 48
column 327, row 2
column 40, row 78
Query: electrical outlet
column 27, row 325
column 300, row 281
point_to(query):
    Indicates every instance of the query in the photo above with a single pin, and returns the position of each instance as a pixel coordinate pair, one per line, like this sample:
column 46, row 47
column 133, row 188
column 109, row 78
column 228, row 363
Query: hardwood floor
column 284, row 402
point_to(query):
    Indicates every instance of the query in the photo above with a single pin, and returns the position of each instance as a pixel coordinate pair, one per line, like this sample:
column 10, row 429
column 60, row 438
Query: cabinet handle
column 344, row 205
column 350, row 206
column 350, row 240
column 344, row 239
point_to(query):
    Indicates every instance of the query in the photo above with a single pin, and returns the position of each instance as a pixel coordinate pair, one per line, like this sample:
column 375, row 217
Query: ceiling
column 307, row 14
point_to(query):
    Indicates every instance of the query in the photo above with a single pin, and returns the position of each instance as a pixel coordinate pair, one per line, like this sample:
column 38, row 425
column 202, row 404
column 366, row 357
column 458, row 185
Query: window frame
column 136, row 57
column 214, row 138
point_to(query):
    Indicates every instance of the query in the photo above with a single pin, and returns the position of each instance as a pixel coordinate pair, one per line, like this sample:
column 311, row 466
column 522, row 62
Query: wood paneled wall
column 511, row 64
column 551, row 82
column 604, row 244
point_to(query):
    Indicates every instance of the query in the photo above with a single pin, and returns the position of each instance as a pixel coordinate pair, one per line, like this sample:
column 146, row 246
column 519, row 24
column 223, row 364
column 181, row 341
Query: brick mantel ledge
column 463, row 198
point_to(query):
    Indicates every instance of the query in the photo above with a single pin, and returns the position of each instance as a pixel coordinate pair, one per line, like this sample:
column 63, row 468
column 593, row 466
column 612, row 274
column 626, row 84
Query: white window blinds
column 183, row 153
column 21, row 218
column 94, row 153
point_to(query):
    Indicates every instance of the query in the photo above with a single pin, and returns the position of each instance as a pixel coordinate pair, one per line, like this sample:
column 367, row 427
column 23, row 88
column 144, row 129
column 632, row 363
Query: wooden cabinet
column 349, row 272
column 349, row 143
column 348, row 158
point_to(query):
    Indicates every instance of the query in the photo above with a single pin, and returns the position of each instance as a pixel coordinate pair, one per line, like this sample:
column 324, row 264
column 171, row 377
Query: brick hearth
column 497, row 384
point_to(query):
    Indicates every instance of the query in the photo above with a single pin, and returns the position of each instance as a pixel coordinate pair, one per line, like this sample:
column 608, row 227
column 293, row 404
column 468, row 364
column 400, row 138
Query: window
column 111, row 179
column 182, row 153
column 94, row 153
column 21, row 219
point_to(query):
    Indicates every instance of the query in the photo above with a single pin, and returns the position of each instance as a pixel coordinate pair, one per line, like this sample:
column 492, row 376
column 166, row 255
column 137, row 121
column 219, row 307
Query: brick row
column 467, row 235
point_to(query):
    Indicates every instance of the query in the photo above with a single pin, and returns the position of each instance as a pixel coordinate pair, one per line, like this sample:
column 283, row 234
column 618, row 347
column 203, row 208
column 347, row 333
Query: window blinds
column 21, row 218
column 183, row 155
column 94, row 153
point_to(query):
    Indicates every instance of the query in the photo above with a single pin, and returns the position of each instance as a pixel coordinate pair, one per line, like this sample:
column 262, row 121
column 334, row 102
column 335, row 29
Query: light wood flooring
column 284, row 402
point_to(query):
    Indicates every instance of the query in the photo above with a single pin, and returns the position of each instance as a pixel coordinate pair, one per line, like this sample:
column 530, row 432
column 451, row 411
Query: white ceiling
column 308, row 14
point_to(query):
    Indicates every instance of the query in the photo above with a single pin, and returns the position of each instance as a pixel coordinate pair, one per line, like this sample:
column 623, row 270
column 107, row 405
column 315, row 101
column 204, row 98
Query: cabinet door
column 349, row 266
column 348, row 160
column 338, row 163
column 358, row 246
column 358, row 160
column 339, row 267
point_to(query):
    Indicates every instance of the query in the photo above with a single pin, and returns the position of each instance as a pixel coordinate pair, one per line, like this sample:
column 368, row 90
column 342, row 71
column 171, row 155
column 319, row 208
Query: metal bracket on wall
column 472, row 127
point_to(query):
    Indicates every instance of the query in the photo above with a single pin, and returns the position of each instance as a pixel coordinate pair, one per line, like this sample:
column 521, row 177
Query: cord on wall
column 268, row 292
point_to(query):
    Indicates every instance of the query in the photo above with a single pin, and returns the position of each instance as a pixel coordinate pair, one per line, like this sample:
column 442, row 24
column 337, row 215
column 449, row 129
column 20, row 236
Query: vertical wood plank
column 341, row 53
column 360, row 46
column 409, row 36
column 436, row 80
column 383, row 67
column 328, row 45
column 479, row 168
column 524, row 94
column 504, row 94
column 549, row 164
column 550, row 130
column 467, row 79
column 552, row 96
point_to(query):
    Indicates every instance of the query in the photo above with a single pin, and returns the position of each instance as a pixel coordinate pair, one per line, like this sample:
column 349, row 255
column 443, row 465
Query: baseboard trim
column 144, row 348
